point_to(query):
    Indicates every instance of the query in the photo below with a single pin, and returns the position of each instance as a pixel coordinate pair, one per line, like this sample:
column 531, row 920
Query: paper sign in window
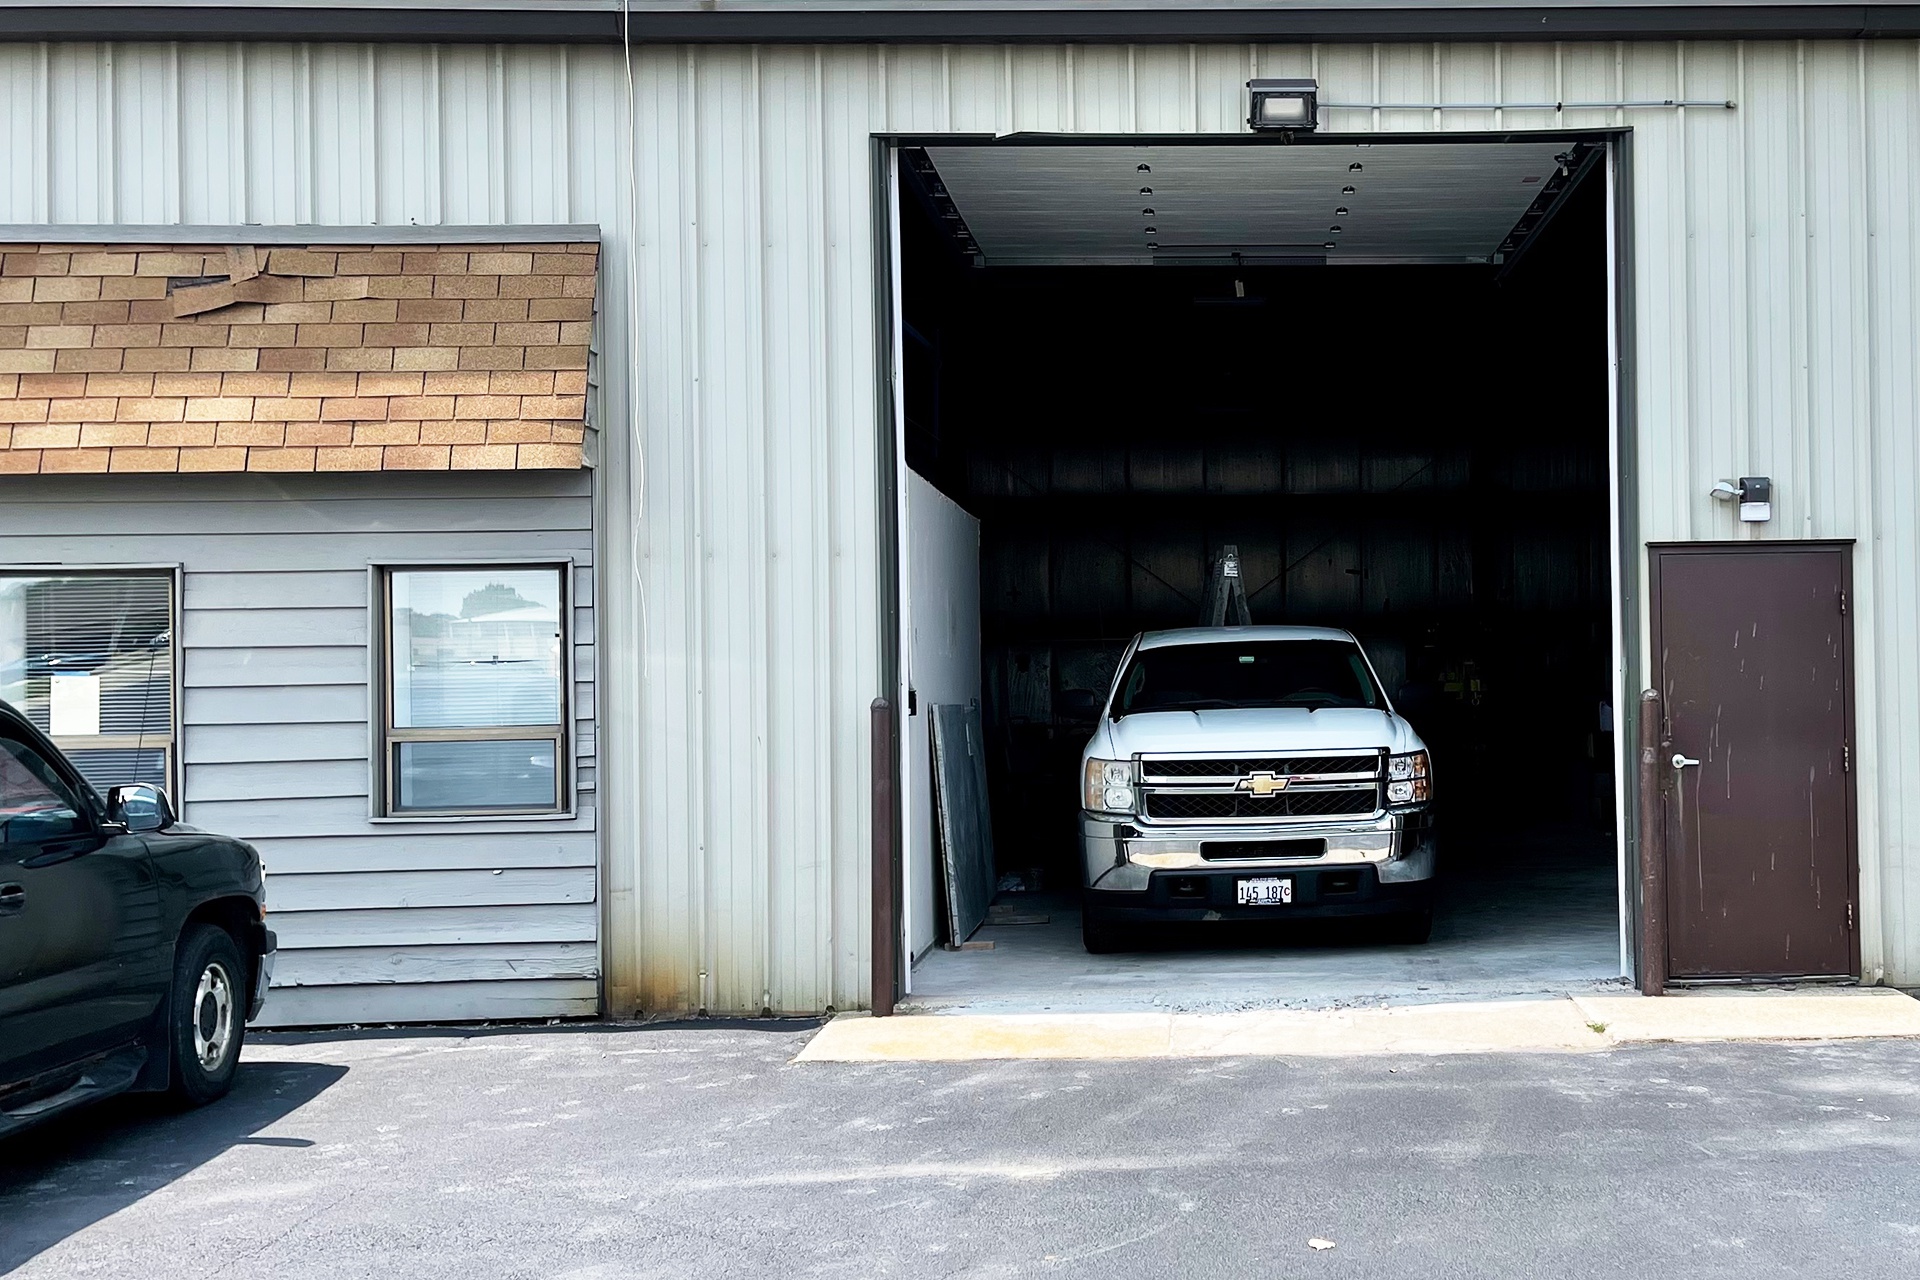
column 73, row 706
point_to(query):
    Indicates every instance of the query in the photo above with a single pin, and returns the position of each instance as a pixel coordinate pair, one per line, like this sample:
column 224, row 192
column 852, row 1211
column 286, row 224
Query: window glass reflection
column 489, row 775
column 475, row 648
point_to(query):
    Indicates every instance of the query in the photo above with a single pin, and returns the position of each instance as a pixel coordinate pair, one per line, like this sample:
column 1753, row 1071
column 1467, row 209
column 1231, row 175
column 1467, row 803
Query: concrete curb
column 1561, row 1024
column 1835, row 1013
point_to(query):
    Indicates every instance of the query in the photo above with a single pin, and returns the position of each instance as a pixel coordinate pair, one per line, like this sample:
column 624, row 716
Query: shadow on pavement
column 74, row 1171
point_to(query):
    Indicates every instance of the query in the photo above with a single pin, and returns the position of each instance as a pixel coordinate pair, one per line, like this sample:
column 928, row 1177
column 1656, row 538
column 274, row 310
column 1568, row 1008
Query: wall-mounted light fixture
column 1754, row 493
column 1292, row 105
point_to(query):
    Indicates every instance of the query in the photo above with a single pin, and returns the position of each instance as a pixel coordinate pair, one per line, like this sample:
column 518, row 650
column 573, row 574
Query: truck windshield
column 1310, row 674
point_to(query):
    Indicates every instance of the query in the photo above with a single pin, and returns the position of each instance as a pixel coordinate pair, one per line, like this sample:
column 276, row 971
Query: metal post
column 886, row 859
column 1653, row 848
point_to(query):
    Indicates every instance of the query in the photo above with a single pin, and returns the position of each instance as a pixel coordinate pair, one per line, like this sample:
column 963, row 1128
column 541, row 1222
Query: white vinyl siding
column 376, row 922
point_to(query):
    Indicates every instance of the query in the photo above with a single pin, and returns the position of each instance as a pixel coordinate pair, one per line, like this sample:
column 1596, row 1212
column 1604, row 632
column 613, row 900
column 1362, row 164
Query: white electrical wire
column 637, row 485
column 1718, row 104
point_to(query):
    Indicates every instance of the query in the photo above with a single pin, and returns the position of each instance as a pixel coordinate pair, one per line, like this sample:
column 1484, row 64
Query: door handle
column 1683, row 762
column 13, row 898
column 60, row 851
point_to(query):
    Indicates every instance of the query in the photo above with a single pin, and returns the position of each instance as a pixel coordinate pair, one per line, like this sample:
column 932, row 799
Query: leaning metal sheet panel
column 966, row 823
column 1775, row 287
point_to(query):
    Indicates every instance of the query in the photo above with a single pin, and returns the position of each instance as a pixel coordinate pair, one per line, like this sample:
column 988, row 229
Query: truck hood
column 1254, row 729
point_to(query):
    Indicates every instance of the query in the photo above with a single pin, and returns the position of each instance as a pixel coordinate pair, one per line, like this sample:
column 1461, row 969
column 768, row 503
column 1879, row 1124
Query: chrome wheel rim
column 213, row 1017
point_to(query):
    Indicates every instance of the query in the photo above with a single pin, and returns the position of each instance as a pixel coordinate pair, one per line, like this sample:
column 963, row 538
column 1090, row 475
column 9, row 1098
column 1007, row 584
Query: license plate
column 1268, row 891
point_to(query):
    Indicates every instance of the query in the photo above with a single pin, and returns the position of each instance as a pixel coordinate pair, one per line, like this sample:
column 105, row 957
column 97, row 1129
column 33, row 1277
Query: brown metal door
column 1753, row 657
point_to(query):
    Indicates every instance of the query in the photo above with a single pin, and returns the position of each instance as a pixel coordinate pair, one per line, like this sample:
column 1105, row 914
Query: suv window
column 35, row 805
column 1309, row 674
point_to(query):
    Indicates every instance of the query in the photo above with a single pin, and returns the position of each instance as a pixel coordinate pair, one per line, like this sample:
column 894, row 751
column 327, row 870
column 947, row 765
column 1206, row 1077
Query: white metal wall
column 941, row 580
column 1777, row 303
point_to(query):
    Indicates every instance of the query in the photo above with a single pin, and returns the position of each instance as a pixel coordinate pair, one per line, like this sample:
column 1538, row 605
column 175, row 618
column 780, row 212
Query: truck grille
column 1295, row 804
column 1208, row 789
column 1234, row 770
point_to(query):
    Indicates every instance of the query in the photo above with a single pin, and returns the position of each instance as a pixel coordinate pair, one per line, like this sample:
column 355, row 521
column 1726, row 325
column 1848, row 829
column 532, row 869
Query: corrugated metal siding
column 376, row 921
column 1776, row 314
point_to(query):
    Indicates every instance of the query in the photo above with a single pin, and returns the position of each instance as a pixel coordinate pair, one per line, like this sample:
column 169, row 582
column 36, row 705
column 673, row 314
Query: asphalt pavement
column 658, row 1151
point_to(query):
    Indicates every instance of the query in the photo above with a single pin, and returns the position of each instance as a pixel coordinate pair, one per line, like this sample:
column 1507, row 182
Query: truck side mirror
column 140, row 807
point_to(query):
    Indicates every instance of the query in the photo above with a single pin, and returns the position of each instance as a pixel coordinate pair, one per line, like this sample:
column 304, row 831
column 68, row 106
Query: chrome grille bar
column 1209, row 788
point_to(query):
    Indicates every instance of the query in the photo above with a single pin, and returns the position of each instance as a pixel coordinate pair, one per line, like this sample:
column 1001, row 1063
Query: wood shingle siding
column 325, row 358
column 440, row 919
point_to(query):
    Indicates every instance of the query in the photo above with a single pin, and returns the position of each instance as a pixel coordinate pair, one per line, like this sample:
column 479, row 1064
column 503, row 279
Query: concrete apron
column 1562, row 1024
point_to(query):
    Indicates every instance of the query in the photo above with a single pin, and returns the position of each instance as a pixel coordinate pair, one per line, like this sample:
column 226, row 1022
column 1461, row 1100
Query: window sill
column 415, row 819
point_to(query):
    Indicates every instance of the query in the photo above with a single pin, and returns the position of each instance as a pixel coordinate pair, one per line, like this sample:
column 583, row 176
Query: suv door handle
column 60, row 851
column 1683, row 762
column 13, row 898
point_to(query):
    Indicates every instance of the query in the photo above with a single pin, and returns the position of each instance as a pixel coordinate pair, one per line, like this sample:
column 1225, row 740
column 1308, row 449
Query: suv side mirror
column 141, row 807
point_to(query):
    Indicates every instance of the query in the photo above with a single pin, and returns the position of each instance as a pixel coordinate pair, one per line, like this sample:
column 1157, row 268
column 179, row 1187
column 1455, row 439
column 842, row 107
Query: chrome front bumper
column 1121, row 856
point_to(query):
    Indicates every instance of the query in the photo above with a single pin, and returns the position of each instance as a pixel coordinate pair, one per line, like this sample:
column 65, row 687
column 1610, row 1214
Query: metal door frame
column 889, row 964
column 1656, row 551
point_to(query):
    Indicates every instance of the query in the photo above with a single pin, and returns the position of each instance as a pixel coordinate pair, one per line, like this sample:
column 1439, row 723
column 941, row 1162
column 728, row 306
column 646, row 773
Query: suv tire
column 207, row 1016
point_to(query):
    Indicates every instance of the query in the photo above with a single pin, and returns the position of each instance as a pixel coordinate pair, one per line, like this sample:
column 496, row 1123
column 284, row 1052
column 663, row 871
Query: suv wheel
column 208, row 1018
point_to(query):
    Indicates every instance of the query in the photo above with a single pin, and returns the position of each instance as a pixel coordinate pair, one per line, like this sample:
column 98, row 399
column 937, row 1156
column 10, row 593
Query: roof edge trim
column 377, row 234
column 972, row 24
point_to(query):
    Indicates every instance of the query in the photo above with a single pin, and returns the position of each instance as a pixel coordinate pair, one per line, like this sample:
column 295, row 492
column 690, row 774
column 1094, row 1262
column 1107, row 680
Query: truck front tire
column 1101, row 937
column 207, row 1016
column 1413, row 928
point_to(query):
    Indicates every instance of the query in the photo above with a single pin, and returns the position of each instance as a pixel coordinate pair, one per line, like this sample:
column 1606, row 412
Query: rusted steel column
column 886, row 860
column 1653, row 848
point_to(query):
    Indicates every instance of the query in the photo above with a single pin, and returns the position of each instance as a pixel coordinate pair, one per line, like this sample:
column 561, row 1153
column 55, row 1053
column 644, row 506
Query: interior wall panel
column 1776, row 290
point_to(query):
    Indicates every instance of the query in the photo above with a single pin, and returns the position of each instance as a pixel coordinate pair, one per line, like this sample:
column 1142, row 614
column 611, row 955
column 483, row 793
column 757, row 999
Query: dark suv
column 133, row 949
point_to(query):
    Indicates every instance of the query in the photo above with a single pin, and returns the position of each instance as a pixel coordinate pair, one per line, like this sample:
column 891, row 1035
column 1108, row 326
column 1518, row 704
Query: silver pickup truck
column 1243, row 773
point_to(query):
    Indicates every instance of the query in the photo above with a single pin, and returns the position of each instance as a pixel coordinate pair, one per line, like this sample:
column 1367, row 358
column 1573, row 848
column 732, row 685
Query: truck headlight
column 1108, row 786
column 1409, row 778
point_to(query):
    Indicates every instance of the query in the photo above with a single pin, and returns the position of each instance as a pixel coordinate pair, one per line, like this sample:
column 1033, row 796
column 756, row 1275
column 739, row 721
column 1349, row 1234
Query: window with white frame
column 89, row 657
column 475, row 690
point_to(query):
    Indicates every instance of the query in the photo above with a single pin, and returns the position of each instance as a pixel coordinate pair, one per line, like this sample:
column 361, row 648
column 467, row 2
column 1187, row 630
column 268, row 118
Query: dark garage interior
column 1415, row 452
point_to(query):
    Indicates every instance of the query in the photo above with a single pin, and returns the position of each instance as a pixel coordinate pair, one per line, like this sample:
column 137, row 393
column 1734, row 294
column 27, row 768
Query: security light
column 1754, row 494
column 1283, row 104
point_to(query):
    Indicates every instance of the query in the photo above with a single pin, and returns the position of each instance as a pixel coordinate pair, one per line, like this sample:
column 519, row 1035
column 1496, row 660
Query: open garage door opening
column 1376, row 376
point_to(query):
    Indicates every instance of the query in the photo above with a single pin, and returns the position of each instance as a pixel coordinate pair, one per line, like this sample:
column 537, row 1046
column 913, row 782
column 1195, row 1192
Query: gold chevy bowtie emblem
column 1261, row 784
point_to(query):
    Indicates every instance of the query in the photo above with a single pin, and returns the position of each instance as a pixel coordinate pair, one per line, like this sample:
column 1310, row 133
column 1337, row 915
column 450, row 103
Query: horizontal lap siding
column 377, row 921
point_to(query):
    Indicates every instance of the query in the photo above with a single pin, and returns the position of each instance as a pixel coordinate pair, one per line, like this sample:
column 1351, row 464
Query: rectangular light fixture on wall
column 1283, row 104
